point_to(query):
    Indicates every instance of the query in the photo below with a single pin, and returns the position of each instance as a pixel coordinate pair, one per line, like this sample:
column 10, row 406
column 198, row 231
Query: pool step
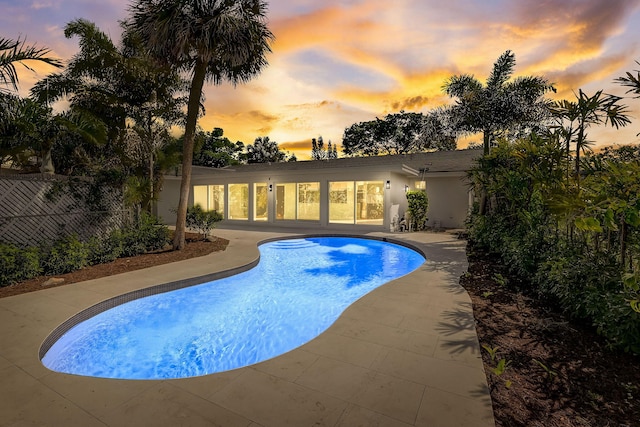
column 293, row 244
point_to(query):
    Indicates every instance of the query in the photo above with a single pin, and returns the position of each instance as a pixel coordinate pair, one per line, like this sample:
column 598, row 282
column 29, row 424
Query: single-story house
column 345, row 194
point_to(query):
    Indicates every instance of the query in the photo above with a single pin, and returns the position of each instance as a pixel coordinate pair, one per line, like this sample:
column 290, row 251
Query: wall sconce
column 406, row 188
column 270, row 188
column 388, row 185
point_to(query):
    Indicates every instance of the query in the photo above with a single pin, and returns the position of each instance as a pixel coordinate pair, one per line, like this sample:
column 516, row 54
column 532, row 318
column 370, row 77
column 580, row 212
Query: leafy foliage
column 319, row 152
column 70, row 253
column 264, row 150
column 65, row 255
column 576, row 244
column 214, row 150
column 213, row 41
column 201, row 220
column 500, row 107
column 17, row 264
column 17, row 51
column 400, row 133
column 417, row 209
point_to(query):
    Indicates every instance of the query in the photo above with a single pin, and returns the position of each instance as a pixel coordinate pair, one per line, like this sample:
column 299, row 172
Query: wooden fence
column 40, row 208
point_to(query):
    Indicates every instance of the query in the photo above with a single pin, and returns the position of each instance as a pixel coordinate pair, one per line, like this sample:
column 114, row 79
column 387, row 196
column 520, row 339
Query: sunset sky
column 335, row 63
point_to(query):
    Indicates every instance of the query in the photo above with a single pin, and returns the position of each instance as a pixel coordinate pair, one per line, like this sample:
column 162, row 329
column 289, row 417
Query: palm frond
column 17, row 51
column 502, row 70
column 460, row 85
column 631, row 81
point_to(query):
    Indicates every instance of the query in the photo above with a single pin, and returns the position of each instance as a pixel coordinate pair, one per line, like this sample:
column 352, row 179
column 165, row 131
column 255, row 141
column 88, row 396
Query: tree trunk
column 193, row 108
column 486, row 143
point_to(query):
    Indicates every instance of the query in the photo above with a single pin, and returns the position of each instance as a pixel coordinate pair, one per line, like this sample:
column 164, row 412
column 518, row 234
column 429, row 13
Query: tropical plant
column 136, row 98
column 17, row 51
column 501, row 105
column 573, row 118
column 417, row 209
column 214, row 40
column 631, row 81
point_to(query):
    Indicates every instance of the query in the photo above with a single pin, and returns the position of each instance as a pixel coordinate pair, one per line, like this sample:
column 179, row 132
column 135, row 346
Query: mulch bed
column 195, row 247
column 559, row 373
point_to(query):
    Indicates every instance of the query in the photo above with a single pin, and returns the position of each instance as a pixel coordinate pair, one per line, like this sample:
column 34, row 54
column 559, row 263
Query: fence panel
column 39, row 208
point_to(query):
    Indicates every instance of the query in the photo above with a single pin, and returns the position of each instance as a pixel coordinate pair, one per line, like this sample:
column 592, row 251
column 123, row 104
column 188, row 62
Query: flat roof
column 427, row 163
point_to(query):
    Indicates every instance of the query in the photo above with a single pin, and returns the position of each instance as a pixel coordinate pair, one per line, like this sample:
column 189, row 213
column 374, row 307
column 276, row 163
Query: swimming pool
column 296, row 291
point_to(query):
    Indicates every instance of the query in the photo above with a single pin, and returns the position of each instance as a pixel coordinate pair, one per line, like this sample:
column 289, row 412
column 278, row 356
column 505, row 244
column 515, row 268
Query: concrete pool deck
column 406, row 354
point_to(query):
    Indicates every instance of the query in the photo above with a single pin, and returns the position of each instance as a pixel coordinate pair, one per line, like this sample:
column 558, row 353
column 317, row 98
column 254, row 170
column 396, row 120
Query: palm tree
column 500, row 105
column 15, row 51
column 631, row 81
column 575, row 117
column 214, row 40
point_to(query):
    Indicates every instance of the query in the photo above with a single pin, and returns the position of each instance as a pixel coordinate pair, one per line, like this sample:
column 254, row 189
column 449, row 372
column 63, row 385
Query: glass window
column 200, row 196
column 286, row 201
column 369, row 202
column 216, row 199
column 309, row 201
column 341, row 202
column 239, row 201
column 260, row 201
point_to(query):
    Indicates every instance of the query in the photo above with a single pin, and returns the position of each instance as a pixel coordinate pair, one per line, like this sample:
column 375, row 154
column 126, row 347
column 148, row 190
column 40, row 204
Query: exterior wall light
column 388, row 185
column 406, row 188
column 270, row 188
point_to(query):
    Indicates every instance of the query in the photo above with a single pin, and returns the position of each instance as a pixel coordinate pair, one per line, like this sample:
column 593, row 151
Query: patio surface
column 406, row 354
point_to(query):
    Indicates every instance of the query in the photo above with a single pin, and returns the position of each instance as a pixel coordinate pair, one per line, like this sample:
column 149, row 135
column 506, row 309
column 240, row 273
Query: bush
column 64, row 256
column 70, row 254
column 418, row 205
column 202, row 221
column 103, row 250
column 18, row 264
column 147, row 234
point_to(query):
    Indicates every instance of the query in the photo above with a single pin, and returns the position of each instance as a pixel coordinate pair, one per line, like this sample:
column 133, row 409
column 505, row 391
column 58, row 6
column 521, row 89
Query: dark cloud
column 592, row 21
column 586, row 72
column 413, row 103
column 262, row 116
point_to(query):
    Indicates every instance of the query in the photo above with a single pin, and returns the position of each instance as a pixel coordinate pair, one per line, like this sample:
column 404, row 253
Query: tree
column 16, row 51
column 135, row 97
column 332, row 151
column 214, row 150
column 574, row 118
column 500, row 105
column 399, row 133
column 214, row 40
column 438, row 130
column 318, row 151
column 263, row 150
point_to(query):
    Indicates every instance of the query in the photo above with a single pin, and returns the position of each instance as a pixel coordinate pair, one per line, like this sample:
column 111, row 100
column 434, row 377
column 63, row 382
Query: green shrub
column 17, row 264
column 202, row 221
column 65, row 255
column 147, row 234
column 105, row 249
column 418, row 206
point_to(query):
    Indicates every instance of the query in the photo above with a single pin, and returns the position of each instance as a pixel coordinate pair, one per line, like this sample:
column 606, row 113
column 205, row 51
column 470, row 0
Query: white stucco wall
column 168, row 200
column 448, row 201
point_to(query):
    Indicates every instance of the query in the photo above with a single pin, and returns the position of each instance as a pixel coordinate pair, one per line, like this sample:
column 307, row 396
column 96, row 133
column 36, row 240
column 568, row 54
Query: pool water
column 298, row 289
